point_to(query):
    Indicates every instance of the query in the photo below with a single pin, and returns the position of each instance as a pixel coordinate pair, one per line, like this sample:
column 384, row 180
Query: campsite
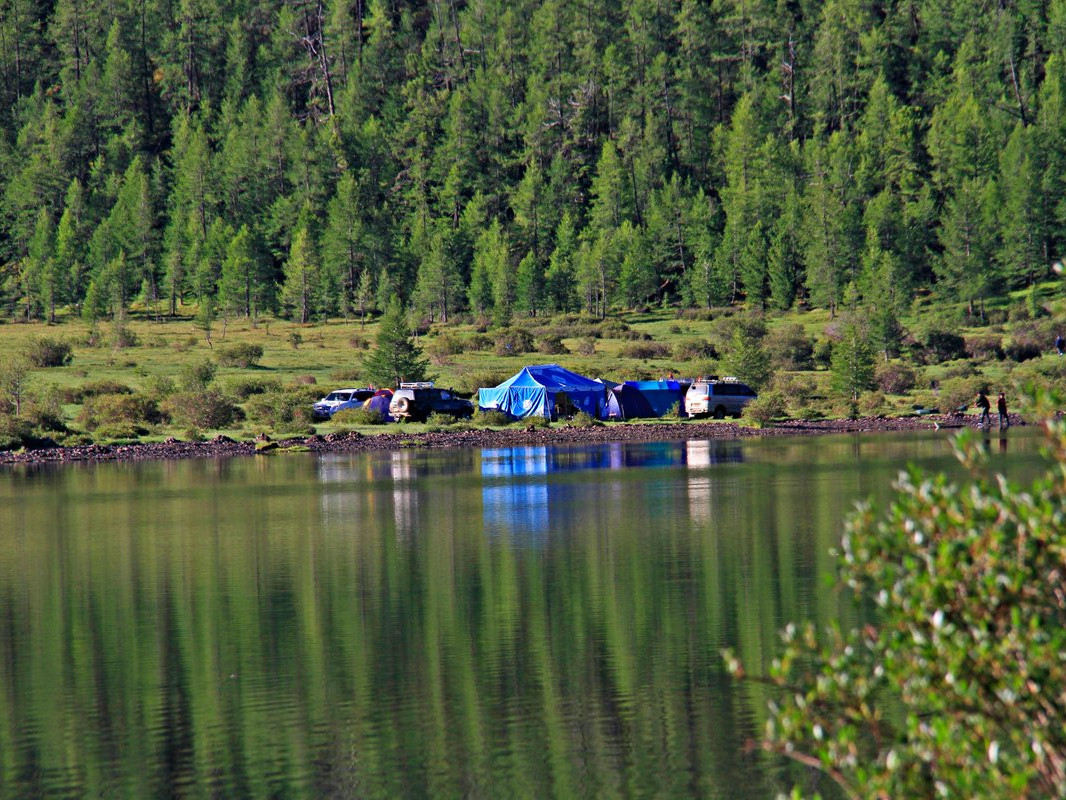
column 547, row 391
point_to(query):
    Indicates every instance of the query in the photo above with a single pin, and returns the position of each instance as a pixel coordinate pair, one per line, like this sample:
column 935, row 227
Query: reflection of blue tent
column 661, row 396
column 626, row 402
column 544, row 390
column 513, row 498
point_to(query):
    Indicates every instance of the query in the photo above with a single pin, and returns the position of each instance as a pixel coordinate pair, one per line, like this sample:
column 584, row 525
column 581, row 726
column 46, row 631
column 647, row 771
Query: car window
column 445, row 396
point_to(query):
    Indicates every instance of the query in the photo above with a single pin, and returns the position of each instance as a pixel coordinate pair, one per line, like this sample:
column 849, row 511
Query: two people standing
column 986, row 410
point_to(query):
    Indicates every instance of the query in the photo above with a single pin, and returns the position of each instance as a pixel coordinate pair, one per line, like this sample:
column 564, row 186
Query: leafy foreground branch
column 960, row 689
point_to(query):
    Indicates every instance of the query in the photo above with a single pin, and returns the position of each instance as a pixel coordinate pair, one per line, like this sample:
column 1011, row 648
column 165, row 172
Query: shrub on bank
column 940, row 346
column 281, row 409
column 159, row 387
column 765, row 408
column 693, row 350
column 490, row 418
column 45, row 351
column 645, row 350
column 871, row 404
column 514, row 342
column 959, row 394
column 197, row 376
column 207, row 410
column 584, row 420
column 551, row 345
column 119, row 409
column 243, row 388
column 77, row 394
column 790, row 347
column 15, row 433
column 240, row 354
column 895, row 378
column 358, row 416
column 985, row 348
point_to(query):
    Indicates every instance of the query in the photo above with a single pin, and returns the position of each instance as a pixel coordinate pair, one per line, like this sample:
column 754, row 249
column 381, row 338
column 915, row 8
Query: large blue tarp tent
column 544, row 390
column 662, row 396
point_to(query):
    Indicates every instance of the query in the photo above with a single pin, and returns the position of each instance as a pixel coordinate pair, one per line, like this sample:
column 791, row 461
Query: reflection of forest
column 360, row 626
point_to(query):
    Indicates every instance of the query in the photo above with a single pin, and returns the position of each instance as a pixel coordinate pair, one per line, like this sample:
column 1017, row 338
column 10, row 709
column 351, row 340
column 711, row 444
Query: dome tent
column 626, row 402
column 380, row 403
column 544, row 390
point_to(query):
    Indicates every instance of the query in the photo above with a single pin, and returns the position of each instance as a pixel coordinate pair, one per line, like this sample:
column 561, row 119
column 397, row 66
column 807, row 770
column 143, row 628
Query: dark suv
column 416, row 401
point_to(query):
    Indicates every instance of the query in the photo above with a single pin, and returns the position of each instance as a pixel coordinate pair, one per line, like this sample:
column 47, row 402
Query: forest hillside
column 509, row 158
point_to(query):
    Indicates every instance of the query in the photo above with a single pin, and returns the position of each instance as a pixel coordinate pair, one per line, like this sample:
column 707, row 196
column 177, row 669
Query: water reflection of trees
column 359, row 626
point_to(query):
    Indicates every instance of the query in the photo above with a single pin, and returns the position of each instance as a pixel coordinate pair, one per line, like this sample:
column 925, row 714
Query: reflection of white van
column 340, row 399
column 718, row 397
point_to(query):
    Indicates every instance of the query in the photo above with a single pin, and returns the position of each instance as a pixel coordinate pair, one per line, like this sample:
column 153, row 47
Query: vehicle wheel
column 403, row 405
column 719, row 413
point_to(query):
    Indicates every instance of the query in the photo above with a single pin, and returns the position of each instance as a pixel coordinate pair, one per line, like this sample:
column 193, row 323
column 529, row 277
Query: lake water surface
column 519, row 622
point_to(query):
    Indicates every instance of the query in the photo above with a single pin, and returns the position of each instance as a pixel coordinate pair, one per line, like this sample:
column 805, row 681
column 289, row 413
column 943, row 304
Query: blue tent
column 662, row 396
column 544, row 390
column 626, row 402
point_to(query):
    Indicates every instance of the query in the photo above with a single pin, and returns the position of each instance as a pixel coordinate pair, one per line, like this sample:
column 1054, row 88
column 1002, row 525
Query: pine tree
column 529, row 285
column 852, row 363
column 964, row 269
column 300, row 294
column 636, row 277
column 439, row 288
column 38, row 268
column 395, row 357
column 342, row 240
column 238, row 286
column 560, row 275
column 1021, row 256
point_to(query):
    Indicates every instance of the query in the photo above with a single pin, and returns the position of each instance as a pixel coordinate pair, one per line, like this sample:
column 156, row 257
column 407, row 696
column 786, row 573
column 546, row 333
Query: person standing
column 1001, row 407
column 986, row 408
column 1060, row 344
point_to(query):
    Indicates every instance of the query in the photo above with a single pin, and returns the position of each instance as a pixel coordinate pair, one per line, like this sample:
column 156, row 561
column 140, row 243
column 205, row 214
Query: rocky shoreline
column 353, row 442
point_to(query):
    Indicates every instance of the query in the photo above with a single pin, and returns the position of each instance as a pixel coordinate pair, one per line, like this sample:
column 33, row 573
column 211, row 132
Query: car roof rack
column 417, row 385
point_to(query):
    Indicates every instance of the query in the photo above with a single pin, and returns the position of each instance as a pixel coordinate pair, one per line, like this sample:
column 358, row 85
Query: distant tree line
column 507, row 157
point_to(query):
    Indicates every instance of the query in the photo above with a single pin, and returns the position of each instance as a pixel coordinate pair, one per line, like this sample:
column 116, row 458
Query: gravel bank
column 222, row 446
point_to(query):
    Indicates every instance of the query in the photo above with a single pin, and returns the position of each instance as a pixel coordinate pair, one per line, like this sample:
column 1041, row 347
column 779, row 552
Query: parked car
column 718, row 397
column 416, row 401
column 340, row 399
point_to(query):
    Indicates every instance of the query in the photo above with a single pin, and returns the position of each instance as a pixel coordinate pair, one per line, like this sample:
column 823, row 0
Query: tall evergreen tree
column 301, row 291
column 395, row 357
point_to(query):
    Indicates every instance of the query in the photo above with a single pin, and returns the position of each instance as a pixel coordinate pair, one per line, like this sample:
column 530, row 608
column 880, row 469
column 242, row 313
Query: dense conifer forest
column 508, row 157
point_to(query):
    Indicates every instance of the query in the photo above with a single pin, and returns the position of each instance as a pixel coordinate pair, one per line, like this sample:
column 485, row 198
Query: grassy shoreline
column 148, row 361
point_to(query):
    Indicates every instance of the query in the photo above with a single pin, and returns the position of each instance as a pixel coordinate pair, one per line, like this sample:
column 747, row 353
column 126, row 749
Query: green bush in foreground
column 959, row 690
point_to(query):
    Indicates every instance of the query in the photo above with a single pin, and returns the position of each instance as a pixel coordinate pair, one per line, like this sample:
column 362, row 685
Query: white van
column 718, row 397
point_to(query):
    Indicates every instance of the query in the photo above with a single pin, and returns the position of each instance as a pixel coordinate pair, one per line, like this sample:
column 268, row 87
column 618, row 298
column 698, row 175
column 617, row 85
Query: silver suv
column 718, row 397
column 340, row 399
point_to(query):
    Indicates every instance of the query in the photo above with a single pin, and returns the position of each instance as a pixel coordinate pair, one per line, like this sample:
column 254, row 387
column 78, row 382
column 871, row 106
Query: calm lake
column 521, row 622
